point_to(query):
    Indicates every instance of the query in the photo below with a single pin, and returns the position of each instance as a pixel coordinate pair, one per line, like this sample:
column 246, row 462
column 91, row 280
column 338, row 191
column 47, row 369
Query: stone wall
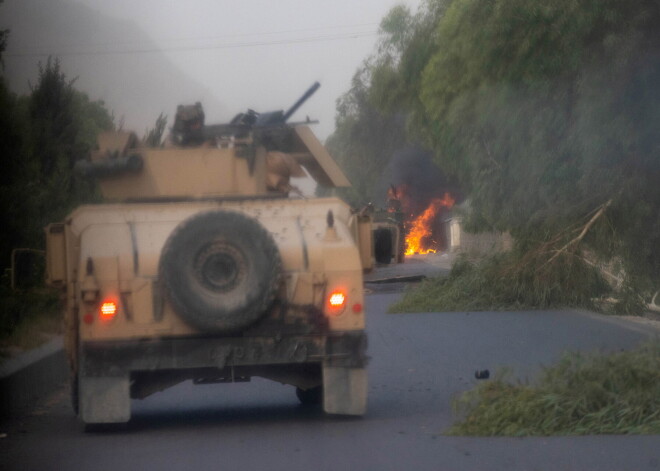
column 483, row 243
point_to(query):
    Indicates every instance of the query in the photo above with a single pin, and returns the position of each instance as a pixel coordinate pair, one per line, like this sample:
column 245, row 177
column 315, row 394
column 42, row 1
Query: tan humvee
column 201, row 267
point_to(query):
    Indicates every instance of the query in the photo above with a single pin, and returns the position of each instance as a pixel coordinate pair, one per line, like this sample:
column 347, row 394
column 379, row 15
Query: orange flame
column 417, row 239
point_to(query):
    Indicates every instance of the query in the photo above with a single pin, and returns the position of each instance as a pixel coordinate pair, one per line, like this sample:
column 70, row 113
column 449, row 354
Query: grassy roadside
column 505, row 282
column 515, row 280
column 583, row 394
column 27, row 319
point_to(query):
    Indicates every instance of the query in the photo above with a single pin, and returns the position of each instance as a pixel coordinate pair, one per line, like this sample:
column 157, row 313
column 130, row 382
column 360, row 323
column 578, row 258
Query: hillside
column 136, row 87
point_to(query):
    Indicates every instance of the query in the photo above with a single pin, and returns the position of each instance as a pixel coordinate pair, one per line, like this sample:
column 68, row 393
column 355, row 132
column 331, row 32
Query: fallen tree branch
column 583, row 233
column 490, row 156
column 653, row 306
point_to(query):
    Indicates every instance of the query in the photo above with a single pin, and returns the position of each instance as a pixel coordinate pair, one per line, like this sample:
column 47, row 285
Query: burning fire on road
column 424, row 230
column 420, row 234
column 420, row 201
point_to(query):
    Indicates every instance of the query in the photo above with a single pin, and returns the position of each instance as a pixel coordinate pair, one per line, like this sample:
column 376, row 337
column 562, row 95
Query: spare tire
column 220, row 270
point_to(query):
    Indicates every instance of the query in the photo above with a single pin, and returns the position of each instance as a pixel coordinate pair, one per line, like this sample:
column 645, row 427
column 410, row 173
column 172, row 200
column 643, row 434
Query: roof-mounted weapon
column 269, row 129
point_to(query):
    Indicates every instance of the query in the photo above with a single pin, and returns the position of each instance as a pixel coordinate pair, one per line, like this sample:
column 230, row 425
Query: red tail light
column 336, row 302
column 108, row 310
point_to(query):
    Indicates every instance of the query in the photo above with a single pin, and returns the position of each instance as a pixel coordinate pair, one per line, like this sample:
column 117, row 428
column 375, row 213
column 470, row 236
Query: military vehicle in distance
column 200, row 266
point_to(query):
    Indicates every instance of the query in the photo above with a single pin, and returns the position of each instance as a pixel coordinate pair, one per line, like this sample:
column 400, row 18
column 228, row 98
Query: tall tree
column 154, row 137
column 12, row 219
column 364, row 141
column 45, row 133
column 371, row 116
column 63, row 125
column 546, row 112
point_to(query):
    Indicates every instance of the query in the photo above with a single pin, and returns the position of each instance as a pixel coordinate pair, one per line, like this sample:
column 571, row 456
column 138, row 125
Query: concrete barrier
column 26, row 378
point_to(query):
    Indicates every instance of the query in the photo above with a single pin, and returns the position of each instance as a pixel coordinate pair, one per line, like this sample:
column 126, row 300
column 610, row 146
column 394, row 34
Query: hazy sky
column 260, row 54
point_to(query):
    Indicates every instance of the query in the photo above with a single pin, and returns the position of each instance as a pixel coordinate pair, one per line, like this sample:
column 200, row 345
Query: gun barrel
column 300, row 101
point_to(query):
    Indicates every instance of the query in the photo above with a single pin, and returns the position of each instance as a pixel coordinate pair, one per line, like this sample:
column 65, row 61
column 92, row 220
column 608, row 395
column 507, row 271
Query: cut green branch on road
column 582, row 395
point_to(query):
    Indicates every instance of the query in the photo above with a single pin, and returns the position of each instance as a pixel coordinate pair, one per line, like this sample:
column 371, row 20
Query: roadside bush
column 583, row 394
column 27, row 314
column 508, row 281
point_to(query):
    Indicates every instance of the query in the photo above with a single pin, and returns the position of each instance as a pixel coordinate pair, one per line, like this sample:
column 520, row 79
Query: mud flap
column 344, row 390
column 105, row 400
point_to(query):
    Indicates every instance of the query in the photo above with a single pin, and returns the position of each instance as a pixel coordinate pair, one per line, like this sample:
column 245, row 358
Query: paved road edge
column 30, row 376
column 641, row 324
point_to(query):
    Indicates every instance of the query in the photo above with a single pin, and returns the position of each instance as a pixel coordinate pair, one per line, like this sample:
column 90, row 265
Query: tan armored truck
column 202, row 267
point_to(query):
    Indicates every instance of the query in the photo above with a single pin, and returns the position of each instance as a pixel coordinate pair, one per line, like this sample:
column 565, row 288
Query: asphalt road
column 419, row 362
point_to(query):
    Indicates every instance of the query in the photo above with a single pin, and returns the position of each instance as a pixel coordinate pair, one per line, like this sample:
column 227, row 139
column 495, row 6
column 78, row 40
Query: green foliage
column 371, row 119
column 523, row 89
column 371, row 116
column 21, row 311
column 12, row 191
column 406, row 45
column 63, row 125
column 583, row 394
column 364, row 140
column 154, row 137
column 545, row 112
column 44, row 134
column 512, row 280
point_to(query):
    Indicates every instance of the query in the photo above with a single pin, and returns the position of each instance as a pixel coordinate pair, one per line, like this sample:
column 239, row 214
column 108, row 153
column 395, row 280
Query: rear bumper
column 118, row 358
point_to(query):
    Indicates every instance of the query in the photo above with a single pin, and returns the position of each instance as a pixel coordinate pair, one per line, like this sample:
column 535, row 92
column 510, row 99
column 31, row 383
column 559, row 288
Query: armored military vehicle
column 201, row 266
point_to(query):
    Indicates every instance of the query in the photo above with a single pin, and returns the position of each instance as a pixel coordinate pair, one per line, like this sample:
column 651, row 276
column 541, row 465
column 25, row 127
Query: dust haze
column 144, row 57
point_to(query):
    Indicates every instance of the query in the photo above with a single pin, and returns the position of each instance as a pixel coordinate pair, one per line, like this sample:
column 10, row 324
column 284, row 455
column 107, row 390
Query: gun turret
column 274, row 118
column 254, row 155
column 189, row 128
column 310, row 91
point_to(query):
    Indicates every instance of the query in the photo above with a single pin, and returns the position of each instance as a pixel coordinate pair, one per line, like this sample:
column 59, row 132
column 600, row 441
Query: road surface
column 419, row 363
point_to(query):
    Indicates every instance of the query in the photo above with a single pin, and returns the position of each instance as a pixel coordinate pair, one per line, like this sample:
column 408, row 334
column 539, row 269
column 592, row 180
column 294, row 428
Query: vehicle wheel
column 310, row 397
column 383, row 246
column 220, row 270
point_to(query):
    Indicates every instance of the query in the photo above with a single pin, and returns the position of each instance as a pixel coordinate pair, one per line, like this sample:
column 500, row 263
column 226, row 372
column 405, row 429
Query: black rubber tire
column 311, row 396
column 220, row 270
column 383, row 246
